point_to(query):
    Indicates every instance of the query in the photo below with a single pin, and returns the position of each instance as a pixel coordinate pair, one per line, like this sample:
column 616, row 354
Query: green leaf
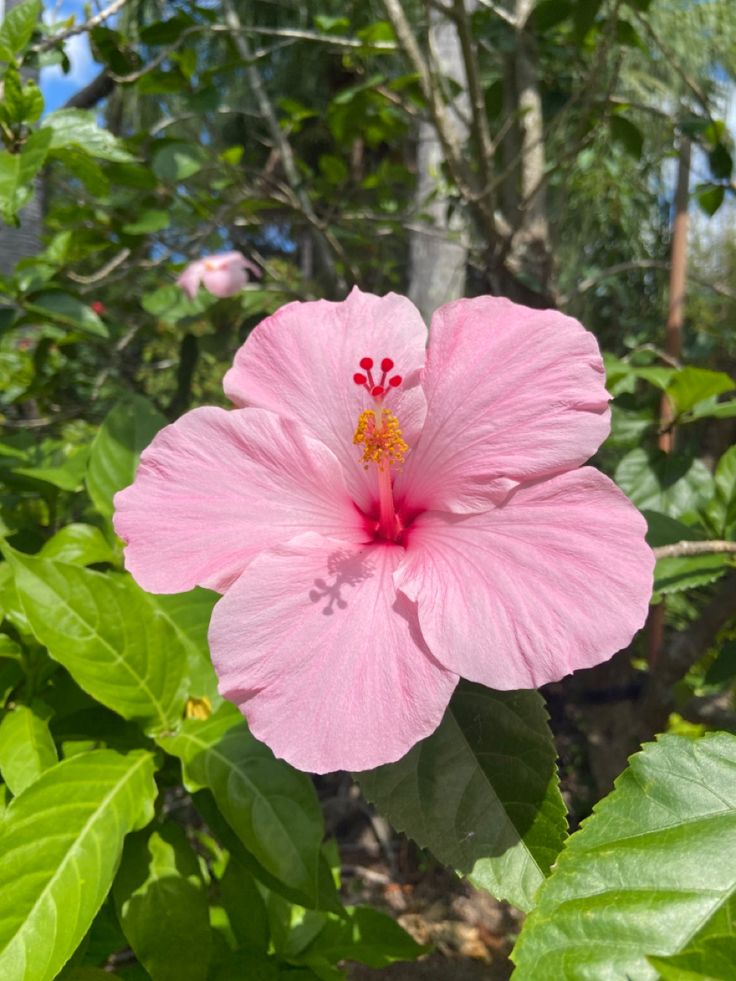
column 675, row 574
column 692, row 385
column 22, row 102
column 710, row 197
column 176, row 162
column 11, row 673
column 189, row 615
column 713, row 960
column 366, row 935
column 670, row 483
column 17, row 27
column 162, row 905
column 549, row 13
column 125, row 432
column 650, row 873
column 712, row 409
column 629, row 135
column 272, row 807
column 60, row 844
column 61, row 465
column 67, row 310
column 13, row 104
column 17, row 171
column 78, row 128
column 26, row 747
column 721, row 162
column 108, row 636
column 150, row 221
column 481, row 792
column 723, row 669
column 245, row 907
column 78, row 544
column 722, row 509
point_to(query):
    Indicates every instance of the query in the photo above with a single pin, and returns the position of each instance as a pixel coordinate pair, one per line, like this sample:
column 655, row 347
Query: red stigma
column 376, row 387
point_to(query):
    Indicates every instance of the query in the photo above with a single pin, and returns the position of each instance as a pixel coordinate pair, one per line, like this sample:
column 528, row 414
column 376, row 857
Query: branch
column 622, row 267
column 451, row 144
column 479, row 117
column 324, row 237
column 103, row 272
column 693, row 548
column 98, row 89
column 671, row 59
column 87, row 25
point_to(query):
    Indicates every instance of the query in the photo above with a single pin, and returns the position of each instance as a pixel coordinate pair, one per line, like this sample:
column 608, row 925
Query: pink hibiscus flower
column 383, row 517
column 221, row 275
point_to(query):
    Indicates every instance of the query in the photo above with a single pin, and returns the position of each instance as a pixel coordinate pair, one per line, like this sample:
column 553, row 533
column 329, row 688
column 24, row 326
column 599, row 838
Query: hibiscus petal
column 218, row 487
column 513, row 394
column 225, row 280
column 324, row 660
column 300, row 363
column 190, row 278
column 557, row 578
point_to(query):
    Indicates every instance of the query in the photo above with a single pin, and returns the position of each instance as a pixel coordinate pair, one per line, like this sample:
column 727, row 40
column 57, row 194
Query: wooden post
column 678, row 267
column 673, row 347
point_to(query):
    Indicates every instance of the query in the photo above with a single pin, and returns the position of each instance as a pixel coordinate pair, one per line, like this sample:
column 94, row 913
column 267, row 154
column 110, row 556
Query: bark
column 531, row 251
column 438, row 254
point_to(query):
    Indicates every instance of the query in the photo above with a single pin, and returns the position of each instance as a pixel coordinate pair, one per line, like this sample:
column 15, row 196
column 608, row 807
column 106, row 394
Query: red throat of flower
column 379, row 433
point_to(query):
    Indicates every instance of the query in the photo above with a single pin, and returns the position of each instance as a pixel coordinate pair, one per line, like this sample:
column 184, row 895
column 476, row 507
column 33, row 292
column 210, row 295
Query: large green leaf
column 272, row 807
column 711, row 960
column 17, row 27
column 722, row 509
column 481, row 792
column 677, row 573
column 60, row 843
column 78, row 544
column 26, row 747
column 108, row 636
column 664, row 482
column 125, row 432
column 650, row 873
column 692, row 385
column 78, row 128
column 162, row 905
column 189, row 614
column 67, row 310
column 17, row 171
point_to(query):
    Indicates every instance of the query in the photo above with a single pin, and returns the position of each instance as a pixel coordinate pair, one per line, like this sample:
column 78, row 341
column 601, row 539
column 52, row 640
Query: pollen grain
column 382, row 443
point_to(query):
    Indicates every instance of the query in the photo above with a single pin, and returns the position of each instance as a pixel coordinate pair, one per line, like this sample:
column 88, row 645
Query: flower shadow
column 344, row 569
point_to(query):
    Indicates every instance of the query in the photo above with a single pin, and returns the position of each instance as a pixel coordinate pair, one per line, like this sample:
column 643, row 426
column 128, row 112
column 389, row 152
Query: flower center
column 379, row 434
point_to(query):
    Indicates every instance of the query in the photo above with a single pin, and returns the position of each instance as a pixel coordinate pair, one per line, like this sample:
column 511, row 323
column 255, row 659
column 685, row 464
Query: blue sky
column 56, row 86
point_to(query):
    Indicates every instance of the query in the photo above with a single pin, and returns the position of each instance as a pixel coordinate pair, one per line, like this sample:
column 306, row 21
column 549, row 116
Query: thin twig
column 87, row 25
column 680, row 549
column 102, row 273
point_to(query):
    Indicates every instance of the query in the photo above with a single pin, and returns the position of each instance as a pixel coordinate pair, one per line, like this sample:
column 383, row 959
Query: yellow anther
column 382, row 442
column 198, row 708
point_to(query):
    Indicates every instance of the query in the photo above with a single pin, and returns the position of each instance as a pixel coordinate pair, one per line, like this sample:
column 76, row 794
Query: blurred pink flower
column 222, row 275
column 383, row 518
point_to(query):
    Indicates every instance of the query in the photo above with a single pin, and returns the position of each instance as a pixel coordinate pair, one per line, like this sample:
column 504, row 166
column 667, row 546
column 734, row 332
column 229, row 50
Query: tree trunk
column 438, row 251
